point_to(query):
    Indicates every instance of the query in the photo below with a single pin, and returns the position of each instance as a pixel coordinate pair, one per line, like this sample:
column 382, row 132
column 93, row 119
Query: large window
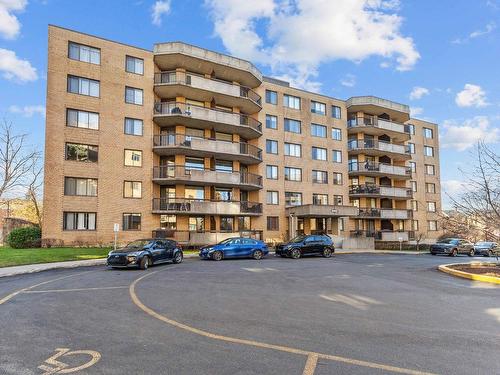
column 428, row 151
column 293, row 174
column 194, row 163
column 83, row 86
column 319, row 177
column 271, row 146
column 79, row 152
column 133, row 126
column 428, row 133
column 320, row 199
column 131, row 221
column 292, row 126
column 273, row 223
column 293, row 149
column 271, row 122
column 337, row 178
column 132, row 189
column 79, row 221
column 291, row 101
column 337, row 156
column 133, row 95
column 293, row 198
column 84, row 53
column 429, row 169
column 84, row 187
column 336, row 134
column 133, row 158
column 336, row 112
column 82, row 119
column 318, row 108
column 224, row 166
column 271, row 97
column 318, row 130
column 272, row 197
column 319, row 153
column 134, row 65
column 272, row 172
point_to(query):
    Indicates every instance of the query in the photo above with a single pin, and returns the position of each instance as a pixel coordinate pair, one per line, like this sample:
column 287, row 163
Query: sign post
column 116, row 229
column 400, row 243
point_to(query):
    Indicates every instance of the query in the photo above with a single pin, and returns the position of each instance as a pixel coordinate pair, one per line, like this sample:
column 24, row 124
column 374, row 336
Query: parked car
column 488, row 249
column 453, row 247
column 145, row 253
column 235, row 247
column 307, row 245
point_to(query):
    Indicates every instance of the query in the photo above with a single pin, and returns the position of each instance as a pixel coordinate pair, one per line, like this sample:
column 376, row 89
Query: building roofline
column 427, row 122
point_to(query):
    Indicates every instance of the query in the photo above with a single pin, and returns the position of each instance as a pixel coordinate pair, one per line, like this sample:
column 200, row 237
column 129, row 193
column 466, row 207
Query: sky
column 442, row 58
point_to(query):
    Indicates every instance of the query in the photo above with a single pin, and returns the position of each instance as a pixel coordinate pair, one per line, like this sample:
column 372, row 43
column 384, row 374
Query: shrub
column 20, row 238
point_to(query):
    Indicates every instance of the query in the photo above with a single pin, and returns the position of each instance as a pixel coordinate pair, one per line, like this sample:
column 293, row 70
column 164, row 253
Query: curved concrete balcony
column 173, row 144
column 375, row 126
column 378, row 148
column 377, row 191
column 179, row 174
column 378, row 106
column 189, row 206
column 385, row 213
column 385, row 235
column 173, row 113
column 172, row 84
column 379, row 169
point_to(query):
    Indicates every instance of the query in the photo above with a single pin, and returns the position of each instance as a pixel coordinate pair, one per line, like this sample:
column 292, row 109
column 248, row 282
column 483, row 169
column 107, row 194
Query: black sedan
column 145, row 253
column 453, row 247
column 488, row 249
column 306, row 245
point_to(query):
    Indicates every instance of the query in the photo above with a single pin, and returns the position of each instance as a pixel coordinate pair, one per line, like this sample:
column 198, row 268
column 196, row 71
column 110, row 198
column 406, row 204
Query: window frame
column 318, row 112
column 270, row 94
column 90, row 80
column 335, row 109
column 273, row 168
column 135, row 59
column 290, row 145
column 134, row 120
column 135, row 89
column 286, row 125
column 272, row 142
column 125, row 158
column 79, row 52
column 268, row 116
column 130, row 214
column 132, row 189
column 86, row 219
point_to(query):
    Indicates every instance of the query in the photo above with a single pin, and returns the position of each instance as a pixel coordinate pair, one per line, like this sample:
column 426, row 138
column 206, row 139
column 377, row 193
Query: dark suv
column 307, row 245
column 453, row 247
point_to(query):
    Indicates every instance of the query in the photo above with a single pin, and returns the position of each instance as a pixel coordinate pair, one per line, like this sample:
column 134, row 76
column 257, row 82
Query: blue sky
column 440, row 57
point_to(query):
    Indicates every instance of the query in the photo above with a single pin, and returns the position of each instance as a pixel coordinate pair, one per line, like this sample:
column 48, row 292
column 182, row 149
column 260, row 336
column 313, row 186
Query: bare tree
column 34, row 185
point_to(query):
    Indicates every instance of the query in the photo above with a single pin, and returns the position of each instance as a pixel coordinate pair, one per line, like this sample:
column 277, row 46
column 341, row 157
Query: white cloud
column 14, row 68
column 416, row 111
column 348, row 81
column 28, row 110
column 489, row 28
column 471, row 96
column 294, row 37
column 159, row 9
column 418, row 92
column 453, row 187
column 464, row 135
column 9, row 24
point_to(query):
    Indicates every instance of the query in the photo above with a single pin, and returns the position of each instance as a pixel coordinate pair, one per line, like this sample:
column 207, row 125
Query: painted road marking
column 74, row 290
column 53, row 364
column 263, row 345
column 356, row 301
column 262, row 269
column 312, row 361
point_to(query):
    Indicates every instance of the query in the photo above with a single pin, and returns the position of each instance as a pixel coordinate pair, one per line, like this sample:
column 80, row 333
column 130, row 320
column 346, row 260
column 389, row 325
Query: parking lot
column 350, row 314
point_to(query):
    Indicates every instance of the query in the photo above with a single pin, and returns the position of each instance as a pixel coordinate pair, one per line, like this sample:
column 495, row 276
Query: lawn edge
column 466, row 275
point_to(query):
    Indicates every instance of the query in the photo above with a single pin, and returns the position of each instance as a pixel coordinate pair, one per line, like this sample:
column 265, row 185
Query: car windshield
column 138, row 244
column 298, row 239
column 450, row 241
column 227, row 240
column 484, row 243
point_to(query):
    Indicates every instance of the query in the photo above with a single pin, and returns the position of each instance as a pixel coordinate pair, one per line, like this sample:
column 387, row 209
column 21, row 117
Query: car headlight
column 134, row 254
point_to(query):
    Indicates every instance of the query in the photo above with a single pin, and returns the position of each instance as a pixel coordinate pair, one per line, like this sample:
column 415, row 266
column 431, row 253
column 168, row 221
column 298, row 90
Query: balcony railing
column 377, row 145
column 207, row 144
column 205, row 114
column 380, row 168
column 383, row 191
column 385, row 213
column 206, row 175
column 384, row 235
column 373, row 121
column 197, row 238
column 206, row 206
column 209, row 84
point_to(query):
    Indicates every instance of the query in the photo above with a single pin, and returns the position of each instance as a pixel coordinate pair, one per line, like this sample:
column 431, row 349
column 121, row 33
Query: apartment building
column 190, row 144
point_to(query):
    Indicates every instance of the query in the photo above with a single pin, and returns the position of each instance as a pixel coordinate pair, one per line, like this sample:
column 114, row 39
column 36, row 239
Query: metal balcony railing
column 208, row 206
column 385, row 213
column 389, row 191
column 377, row 145
column 379, row 167
column 373, row 121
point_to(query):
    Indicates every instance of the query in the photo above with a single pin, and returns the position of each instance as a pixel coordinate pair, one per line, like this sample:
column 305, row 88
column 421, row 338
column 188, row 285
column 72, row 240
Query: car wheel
column 144, row 263
column 327, row 252
column 257, row 254
column 453, row 253
column 217, row 255
column 471, row 253
column 295, row 253
column 490, row 253
column 178, row 258
column 433, row 253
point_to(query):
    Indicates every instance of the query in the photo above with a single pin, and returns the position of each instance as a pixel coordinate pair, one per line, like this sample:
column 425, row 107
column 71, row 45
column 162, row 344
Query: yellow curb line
column 466, row 275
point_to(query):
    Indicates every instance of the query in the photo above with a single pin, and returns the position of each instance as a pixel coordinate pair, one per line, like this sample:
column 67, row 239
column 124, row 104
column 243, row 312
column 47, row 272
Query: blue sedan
column 236, row 247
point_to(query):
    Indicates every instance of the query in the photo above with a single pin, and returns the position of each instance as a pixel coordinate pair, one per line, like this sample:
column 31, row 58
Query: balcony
column 376, row 126
column 378, row 106
column 385, row 213
column 179, row 174
column 173, row 144
column 205, row 207
column 377, row 191
column 317, row 210
column 173, row 113
column 384, row 235
column 201, row 238
column 379, row 169
column 172, row 84
column 378, row 148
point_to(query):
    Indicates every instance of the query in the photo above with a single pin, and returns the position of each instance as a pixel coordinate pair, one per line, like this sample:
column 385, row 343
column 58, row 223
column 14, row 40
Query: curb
column 466, row 275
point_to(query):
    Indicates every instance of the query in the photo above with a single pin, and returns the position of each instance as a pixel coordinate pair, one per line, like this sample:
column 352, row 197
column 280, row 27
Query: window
column 432, row 225
column 84, row 53
column 429, row 169
column 134, row 65
column 414, row 225
column 222, row 194
column 271, row 97
column 133, row 95
column 133, row 126
column 196, row 224
column 79, row 220
column 131, row 221
column 293, row 198
column 414, row 205
column 272, row 197
column 410, row 128
column 293, row 174
column 271, row 122
column 224, row 166
column 430, row 188
column 132, row 189
column 83, row 86
column 318, row 108
column 82, row 119
column 273, row 223
column 83, row 187
column 291, row 101
column 341, row 224
column 411, row 148
column 272, row 172
column 318, row 130
column 431, row 206
column 293, row 149
column 133, row 158
column 79, row 152
column 428, row 133
column 336, row 112
column 320, row 199
column 337, row 156
column 428, row 151
column 337, row 178
column 194, row 192
column 194, row 163
column 337, row 200
column 319, row 153
column 413, row 186
column 244, row 223
column 226, row 223
column 336, row 134
column 271, row 146
column 168, row 221
column 319, row 177
column 413, row 166
column 292, row 126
